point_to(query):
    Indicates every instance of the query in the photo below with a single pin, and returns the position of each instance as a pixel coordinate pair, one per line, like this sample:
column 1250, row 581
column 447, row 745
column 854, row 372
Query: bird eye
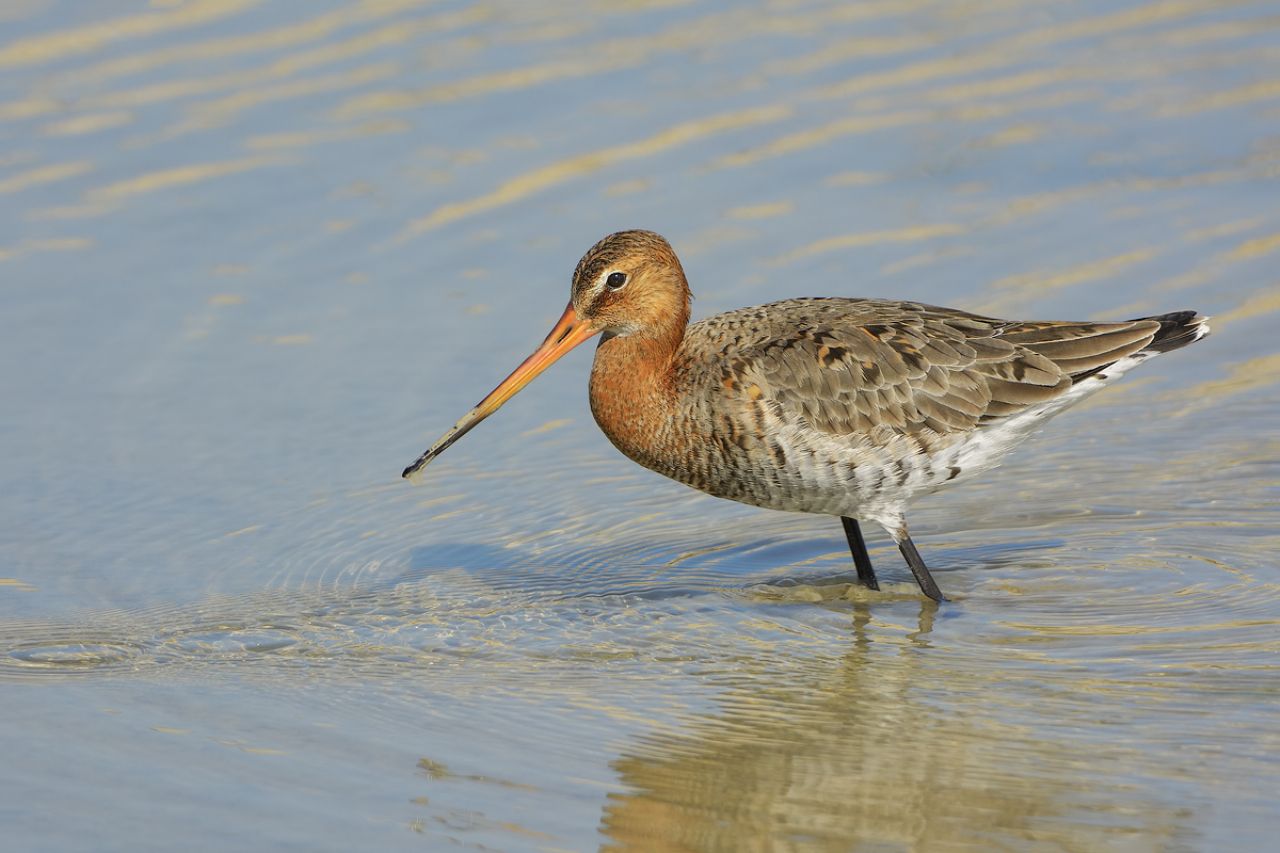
column 615, row 280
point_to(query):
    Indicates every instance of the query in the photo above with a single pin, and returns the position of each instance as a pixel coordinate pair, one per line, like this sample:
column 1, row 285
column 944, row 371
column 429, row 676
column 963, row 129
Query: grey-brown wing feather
column 848, row 366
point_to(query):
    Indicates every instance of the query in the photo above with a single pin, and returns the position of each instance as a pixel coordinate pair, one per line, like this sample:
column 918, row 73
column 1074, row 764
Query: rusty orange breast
column 633, row 399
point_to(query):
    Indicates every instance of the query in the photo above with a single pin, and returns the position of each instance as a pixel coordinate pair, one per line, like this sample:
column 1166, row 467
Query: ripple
column 246, row 640
column 72, row 656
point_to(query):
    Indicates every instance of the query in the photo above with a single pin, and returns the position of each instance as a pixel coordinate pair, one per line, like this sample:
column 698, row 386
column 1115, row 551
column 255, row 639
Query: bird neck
column 638, row 361
column 633, row 390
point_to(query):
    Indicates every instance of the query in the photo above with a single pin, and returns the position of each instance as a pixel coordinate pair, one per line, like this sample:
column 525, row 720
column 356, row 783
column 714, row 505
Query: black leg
column 918, row 568
column 861, row 559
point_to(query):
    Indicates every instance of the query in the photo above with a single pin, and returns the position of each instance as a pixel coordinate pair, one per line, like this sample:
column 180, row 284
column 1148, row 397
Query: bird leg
column 857, row 547
column 918, row 568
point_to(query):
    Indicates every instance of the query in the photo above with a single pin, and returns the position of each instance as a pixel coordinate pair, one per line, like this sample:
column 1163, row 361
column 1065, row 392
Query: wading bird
column 840, row 406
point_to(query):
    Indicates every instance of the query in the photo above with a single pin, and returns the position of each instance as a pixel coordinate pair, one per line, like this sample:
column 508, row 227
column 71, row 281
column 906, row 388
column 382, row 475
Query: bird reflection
column 890, row 747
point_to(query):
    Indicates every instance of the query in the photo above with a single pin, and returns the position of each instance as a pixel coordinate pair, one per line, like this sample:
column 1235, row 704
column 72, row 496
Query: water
column 256, row 256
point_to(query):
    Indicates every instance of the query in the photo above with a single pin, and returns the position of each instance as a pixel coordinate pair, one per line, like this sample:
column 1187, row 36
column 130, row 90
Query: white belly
column 873, row 477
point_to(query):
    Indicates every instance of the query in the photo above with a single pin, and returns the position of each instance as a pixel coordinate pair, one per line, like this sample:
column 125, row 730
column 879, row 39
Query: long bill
column 569, row 331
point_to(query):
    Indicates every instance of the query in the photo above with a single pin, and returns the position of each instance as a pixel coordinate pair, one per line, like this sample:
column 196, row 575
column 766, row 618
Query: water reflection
column 736, row 712
column 866, row 753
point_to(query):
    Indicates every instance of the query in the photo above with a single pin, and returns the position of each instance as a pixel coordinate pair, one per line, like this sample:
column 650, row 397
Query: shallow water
column 257, row 256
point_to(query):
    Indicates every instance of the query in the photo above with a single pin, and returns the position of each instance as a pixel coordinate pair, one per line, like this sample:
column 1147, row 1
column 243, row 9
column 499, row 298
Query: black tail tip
column 1177, row 329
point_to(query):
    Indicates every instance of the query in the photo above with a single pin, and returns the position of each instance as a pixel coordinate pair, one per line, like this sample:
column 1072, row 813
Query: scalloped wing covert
column 854, row 366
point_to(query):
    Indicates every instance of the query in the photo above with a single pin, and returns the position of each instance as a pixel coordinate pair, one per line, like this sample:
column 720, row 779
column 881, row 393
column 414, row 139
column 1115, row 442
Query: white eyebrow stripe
column 599, row 286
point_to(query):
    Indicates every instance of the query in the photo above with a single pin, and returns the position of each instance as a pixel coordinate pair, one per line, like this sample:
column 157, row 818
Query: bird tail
column 1177, row 329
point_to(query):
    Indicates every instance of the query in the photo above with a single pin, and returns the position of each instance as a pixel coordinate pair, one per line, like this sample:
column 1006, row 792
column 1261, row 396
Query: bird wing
column 850, row 366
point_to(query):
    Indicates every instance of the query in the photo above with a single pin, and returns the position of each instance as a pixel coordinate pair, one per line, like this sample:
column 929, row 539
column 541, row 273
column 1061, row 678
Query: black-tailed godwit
column 839, row 406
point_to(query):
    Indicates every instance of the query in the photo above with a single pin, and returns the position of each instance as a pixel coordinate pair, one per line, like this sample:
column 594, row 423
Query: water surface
column 256, row 256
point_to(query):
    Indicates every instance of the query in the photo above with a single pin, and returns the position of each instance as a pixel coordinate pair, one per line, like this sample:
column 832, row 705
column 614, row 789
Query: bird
column 841, row 406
